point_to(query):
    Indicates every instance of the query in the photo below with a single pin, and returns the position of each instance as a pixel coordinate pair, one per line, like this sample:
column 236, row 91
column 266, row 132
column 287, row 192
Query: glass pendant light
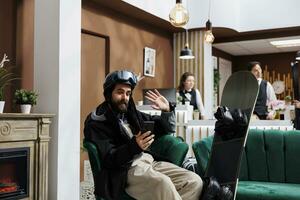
column 186, row 52
column 208, row 36
column 179, row 16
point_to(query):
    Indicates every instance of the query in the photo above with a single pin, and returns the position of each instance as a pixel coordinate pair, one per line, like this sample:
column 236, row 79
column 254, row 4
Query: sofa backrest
column 270, row 155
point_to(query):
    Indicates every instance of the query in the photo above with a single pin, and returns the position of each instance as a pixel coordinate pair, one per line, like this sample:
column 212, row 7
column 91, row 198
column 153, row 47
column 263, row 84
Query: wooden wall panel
column 92, row 65
column 25, row 42
column 280, row 62
column 16, row 40
column 273, row 65
column 195, row 66
column 8, row 43
column 128, row 37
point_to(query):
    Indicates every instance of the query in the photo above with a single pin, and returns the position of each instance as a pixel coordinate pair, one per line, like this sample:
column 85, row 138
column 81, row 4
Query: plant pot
column 2, row 103
column 288, row 103
column 25, row 108
column 196, row 115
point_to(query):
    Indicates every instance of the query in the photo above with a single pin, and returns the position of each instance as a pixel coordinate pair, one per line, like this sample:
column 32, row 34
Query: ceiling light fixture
column 179, row 16
column 186, row 52
column 286, row 43
column 208, row 36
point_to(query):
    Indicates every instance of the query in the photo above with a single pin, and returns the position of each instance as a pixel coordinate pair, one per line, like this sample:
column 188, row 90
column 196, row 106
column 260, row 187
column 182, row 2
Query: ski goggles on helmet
column 126, row 76
column 121, row 76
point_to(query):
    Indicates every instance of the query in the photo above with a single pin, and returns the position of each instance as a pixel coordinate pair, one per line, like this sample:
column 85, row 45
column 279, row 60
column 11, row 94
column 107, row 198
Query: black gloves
column 213, row 191
column 230, row 123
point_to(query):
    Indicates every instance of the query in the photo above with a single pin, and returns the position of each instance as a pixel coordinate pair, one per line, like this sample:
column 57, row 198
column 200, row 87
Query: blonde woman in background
column 188, row 93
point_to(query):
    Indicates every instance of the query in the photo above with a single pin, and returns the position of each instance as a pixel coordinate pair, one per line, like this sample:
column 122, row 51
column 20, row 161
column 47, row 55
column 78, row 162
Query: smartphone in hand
column 148, row 126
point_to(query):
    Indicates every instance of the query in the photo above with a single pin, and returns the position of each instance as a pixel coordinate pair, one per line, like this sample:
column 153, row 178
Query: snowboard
column 240, row 93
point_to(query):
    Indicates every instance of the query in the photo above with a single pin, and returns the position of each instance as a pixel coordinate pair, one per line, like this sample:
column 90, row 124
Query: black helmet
column 121, row 76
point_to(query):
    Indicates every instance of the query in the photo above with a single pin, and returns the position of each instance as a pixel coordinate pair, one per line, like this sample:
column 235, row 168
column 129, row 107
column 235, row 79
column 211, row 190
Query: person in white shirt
column 188, row 93
column 266, row 93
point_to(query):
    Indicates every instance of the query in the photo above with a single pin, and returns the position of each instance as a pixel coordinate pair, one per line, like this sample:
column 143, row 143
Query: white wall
column 57, row 80
column 224, row 13
column 225, row 70
column 208, row 81
column 159, row 8
column 269, row 14
column 245, row 15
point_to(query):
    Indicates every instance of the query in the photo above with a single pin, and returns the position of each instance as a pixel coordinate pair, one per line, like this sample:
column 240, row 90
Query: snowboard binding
column 230, row 123
column 213, row 191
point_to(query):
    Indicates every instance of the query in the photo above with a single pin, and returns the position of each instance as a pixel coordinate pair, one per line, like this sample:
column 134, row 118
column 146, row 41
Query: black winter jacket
column 116, row 149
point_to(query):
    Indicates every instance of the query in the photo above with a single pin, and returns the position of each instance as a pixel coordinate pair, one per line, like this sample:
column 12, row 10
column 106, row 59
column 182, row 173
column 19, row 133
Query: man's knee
column 162, row 182
column 195, row 181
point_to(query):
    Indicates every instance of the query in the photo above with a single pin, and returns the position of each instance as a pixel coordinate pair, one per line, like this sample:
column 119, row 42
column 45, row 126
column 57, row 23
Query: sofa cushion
column 292, row 152
column 256, row 156
column 275, row 146
column 249, row 190
column 271, row 155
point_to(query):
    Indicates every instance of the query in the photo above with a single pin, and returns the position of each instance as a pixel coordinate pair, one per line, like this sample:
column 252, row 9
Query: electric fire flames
column 7, row 179
column 7, row 187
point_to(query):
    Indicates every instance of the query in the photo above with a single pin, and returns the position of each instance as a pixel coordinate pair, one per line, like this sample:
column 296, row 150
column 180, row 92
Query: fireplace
column 24, row 142
column 14, row 173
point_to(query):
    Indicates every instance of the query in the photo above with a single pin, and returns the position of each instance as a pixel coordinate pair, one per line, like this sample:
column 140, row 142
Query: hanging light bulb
column 208, row 36
column 186, row 52
column 179, row 16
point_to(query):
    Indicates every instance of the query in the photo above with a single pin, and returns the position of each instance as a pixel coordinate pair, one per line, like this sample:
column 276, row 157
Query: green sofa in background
column 270, row 168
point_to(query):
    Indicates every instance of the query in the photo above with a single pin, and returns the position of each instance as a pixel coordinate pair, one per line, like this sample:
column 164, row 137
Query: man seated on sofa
column 116, row 127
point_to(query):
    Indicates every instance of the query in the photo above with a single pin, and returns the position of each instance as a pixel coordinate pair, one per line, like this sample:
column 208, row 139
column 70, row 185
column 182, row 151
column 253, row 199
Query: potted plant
column 288, row 100
column 196, row 114
column 26, row 99
column 179, row 99
column 6, row 77
column 217, row 79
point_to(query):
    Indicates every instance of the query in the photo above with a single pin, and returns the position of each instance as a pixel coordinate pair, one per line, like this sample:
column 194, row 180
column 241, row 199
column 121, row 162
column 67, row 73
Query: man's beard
column 120, row 106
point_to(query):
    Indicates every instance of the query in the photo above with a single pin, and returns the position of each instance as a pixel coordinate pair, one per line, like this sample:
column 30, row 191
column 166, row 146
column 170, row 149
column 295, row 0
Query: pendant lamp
column 186, row 52
column 208, row 36
column 179, row 16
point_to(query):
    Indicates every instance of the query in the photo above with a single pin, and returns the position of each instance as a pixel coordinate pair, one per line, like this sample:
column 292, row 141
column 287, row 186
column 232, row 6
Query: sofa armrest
column 93, row 156
column 202, row 151
column 170, row 147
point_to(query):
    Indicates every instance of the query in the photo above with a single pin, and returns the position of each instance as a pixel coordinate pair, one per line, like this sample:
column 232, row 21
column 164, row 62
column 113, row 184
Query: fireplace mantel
column 29, row 130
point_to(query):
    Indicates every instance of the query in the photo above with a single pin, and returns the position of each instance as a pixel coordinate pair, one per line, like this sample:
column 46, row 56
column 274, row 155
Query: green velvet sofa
column 168, row 146
column 270, row 168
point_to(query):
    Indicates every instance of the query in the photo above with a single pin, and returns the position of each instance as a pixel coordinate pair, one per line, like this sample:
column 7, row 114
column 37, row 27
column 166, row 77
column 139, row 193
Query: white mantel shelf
column 31, row 115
